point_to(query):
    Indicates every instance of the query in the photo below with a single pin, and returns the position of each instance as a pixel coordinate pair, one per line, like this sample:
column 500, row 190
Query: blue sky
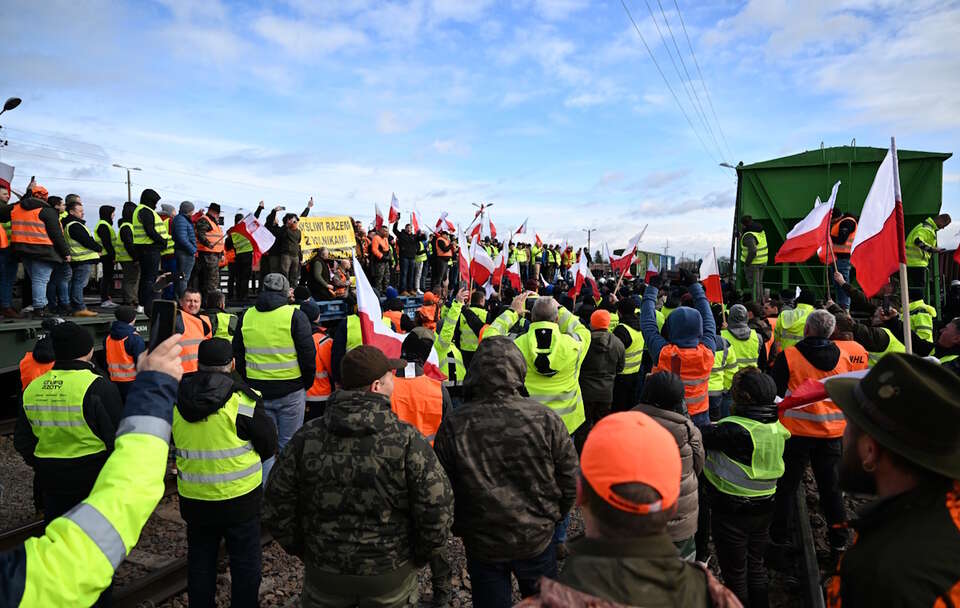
column 547, row 108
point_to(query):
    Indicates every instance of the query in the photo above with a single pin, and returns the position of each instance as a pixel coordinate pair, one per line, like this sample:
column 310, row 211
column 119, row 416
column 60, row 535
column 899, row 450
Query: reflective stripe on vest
column 926, row 231
column 418, row 401
column 103, row 534
column 693, row 365
column 213, row 463
column 921, row 319
column 633, row 356
column 241, row 244
column 554, row 381
column 320, row 389
column 168, row 250
column 193, row 335
column 140, row 236
column 790, row 324
column 270, row 351
column 894, row 345
column 78, row 252
column 759, row 478
column 120, row 365
column 761, row 256
column 53, row 404
column 747, row 351
column 122, row 254
column 822, row 419
column 846, row 246
column 214, row 236
column 718, row 371
column 26, row 227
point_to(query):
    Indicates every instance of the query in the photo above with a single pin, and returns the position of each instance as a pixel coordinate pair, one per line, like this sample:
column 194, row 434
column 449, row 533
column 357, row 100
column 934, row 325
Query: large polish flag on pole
column 463, row 259
column 394, row 209
column 481, row 266
column 878, row 248
column 376, row 333
column 810, row 234
column 259, row 235
column 710, row 277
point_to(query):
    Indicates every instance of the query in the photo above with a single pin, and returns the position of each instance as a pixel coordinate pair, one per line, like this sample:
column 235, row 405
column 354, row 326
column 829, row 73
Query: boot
column 10, row 313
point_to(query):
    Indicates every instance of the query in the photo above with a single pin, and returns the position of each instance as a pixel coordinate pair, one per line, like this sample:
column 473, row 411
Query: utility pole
column 129, row 188
column 589, row 231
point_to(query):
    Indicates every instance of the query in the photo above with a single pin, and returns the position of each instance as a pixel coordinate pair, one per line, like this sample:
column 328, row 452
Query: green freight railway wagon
column 780, row 192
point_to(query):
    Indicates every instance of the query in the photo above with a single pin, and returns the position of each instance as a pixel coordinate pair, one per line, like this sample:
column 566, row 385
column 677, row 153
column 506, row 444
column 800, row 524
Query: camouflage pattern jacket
column 510, row 460
column 358, row 492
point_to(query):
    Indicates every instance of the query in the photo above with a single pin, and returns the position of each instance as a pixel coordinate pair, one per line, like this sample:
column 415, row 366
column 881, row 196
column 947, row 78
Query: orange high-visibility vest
column 321, row 388
column 394, row 316
column 213, row 236
column 693, row 365
column 193, row 335
column 4, row 242
column 31, row 369
column 26, row 227
column 419, row 401
column 822, row 419
column 120, row 365
column 773, row 327
column 229, row 257
column 446, row 243
column 856, row 354
column 847, row 245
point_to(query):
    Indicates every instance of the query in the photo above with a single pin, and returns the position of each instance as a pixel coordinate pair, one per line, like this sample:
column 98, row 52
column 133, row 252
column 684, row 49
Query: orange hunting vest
column 855, row 353
column 822, row 419
column 847, row 245
column 693, row 365
column 193, row 335
column 394, row 316
column 213, row 236
column 31, row 369
column 419, row 401
column 321, row 389
column 773, row 328
column 27, row 228
column 120, row 365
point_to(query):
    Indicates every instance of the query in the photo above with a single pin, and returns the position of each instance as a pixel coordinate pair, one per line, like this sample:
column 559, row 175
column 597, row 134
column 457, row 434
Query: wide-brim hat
column 911, row 406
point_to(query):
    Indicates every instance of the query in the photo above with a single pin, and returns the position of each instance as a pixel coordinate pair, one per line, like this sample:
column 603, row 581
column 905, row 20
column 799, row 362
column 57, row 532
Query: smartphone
column 163, row 320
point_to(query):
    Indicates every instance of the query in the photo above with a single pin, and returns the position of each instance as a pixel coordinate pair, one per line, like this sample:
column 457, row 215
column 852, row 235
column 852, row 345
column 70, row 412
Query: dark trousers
column 169, row 264
column 149, row 258
column 243, row 266
column 624, row 392
column 106, row 281
column 209, row 270
column 491, row 584
column 595, row 411
column 823, row 455
column 437, row 271
column 741, row 541
column 243, row 547
column 406, row 274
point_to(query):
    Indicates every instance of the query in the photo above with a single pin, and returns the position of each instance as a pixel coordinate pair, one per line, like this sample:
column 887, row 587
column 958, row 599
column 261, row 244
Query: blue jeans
column 560, row 532
column 287, row 413
column 58, row 289
column 243, row 547
column 8, row 272
column 490, row 581
column 185, row 262
column 406, row 274
column 80, row 274
column 40, row 272
column 841, row 297
column 701, row 419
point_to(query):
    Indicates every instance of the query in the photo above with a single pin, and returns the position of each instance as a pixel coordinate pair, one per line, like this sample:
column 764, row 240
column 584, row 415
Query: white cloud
column 450, row 146
column 460, row 10
column 951, row 178
column 556, row 10
column 303, row 39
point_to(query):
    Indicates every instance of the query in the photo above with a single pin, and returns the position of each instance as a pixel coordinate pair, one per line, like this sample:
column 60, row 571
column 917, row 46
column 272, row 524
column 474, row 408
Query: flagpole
column 616, row 289
column 904, row 286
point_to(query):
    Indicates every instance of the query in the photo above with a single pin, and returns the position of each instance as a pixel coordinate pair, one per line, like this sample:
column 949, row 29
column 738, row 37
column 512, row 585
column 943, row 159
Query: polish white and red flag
column 583, row 275
column 537, row 239
column 415, row 221
column 811, row 391
column 477, row 233
column 481, row 266
column 394, row 209
column 443, row 222
column 651, row 271
column 710, row 277
column 6, row 176
column 463, row 257
column 378, row 220
column 523, row 227
column 513, row 275
column 623, row 263
column 376, row 333
column 259, row 236
column 809, row 236
column 500, row 265
column 878, row 248
column 492, row 228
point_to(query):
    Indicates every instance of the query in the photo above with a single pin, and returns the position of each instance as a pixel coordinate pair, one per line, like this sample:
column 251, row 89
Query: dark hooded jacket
column 604, row 360
column 200, row 395
column 358, row 492
column 51, row 222
column 303, row 342
column 104, row 234
column 149, row 198
column 510, row 460
column 126, row 217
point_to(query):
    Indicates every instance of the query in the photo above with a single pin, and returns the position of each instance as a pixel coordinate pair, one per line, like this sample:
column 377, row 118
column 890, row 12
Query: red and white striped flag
column 523, row 227
column 710, row 277
column 259, row 236
column 500, row 266
column 378, row 224
column 809, row 235
column 463, row 259
column 651, row 271
column 537, row 239
column 481, row 266
column 583, row 275
column 878, row 248
column 394, row 209
column 513, row 275
column 415, row 221
column 493, row 229
column 376, row 333
column 6, row 176
column 444, row 222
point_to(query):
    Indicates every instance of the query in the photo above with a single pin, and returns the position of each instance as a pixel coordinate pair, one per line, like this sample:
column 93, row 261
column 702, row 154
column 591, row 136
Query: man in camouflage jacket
column 359, row 495
column 513, row 468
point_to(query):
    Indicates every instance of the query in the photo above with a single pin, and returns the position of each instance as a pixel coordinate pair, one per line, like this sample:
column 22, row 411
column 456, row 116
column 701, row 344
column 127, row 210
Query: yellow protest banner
column 335, row 232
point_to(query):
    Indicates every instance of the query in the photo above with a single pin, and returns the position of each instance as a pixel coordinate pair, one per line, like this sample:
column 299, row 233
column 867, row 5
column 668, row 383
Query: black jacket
column 78, row 233
column 406, row 243
column 149, row 198
column 102, row 407
column 872, row 338
column 604, row 360
column 103, row 232
column 51, row 222
column 302, row 340
column 200, row 395
column 126, row 236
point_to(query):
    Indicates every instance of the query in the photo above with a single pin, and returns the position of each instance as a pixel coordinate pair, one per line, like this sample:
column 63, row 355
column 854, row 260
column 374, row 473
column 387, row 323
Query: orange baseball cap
column 600, row 319
column 631, row 447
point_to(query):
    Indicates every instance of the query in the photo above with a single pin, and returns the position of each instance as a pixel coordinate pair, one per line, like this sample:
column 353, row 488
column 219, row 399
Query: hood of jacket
column 106, row 213
column 497, row 370
column 120, row 330
column 685, row 326
column 271, row 300
column 601, row 341
column 127, row 214
column 149, row 198
column 356, row 413
column 740, row 331
column 819, row 352
column 202, row 394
